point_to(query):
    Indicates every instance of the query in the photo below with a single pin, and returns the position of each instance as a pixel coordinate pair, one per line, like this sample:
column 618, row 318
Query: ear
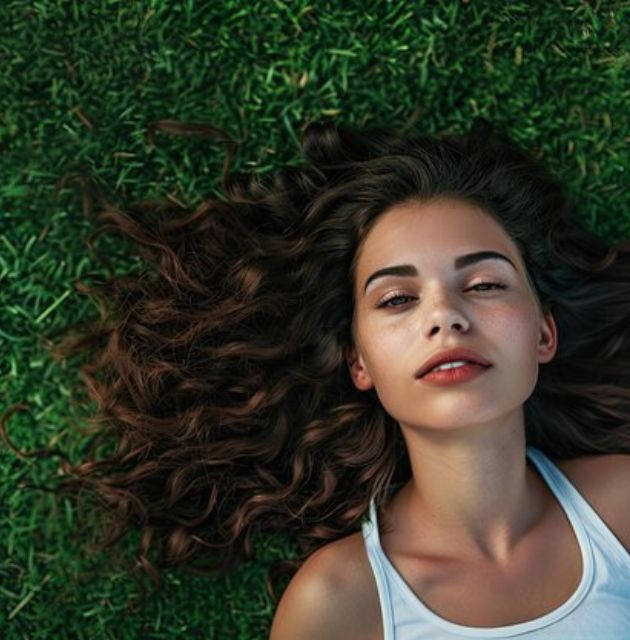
column 358, row 372
column 548, row 344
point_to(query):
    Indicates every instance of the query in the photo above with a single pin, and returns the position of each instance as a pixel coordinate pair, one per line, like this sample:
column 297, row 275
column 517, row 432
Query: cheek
column 394, row 345
column 518, row 331
column 383, row 351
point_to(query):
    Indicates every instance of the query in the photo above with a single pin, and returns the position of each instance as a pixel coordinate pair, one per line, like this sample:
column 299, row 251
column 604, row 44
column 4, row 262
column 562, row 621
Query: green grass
column 80, row 83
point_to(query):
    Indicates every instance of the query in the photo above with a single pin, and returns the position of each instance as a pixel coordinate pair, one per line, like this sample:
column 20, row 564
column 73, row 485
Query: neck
column 473, row 497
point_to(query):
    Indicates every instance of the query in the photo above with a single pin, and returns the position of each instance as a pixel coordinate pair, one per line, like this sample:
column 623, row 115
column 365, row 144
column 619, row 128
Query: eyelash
column 398, row 295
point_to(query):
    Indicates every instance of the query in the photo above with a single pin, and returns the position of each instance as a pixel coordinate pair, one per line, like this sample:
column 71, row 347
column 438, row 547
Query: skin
column 472, row 495
column 469, row 536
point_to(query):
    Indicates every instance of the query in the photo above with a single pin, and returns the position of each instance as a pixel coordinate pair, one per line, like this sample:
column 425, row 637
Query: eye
column 488, row 284
column 396, row 296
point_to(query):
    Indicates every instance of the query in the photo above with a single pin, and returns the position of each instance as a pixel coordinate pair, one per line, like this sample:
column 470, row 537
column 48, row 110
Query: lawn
column 81, row 83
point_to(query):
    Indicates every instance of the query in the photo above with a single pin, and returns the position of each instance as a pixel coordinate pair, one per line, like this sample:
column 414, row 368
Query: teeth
column 452, row 365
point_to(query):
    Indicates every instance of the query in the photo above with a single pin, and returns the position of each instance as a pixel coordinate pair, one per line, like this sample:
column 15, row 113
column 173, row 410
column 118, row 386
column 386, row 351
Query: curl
column 218, row 370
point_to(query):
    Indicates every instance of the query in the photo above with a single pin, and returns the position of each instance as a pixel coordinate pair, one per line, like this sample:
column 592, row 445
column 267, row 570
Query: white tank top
column 598, row 610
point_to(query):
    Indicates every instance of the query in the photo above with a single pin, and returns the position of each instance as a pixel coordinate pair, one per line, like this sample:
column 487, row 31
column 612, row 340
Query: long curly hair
column 219, row 370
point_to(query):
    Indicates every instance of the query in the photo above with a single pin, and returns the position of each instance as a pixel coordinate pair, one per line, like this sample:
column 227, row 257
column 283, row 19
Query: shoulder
column 332, row 595
column 604, row 481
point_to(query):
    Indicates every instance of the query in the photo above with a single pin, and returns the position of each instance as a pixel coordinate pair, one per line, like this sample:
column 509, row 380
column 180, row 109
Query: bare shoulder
column 604, row 481
column 332, row 595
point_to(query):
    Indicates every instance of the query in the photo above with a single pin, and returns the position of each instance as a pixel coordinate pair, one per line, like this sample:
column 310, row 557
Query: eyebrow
column 461, row 262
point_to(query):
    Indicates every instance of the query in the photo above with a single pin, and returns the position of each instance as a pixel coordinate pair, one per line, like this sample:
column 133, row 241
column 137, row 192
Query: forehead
column 434, row 230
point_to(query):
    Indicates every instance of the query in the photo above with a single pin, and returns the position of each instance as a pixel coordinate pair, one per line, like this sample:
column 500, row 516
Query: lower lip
column 453, row 376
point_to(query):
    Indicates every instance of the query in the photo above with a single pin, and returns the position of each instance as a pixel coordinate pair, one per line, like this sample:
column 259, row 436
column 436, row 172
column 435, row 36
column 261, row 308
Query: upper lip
column 450, row 355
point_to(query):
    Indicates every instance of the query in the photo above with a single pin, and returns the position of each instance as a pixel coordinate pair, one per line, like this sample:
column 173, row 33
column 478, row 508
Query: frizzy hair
column 220, row 375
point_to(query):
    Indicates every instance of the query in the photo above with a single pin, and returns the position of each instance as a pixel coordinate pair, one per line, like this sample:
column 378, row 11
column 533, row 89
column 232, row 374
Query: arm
column 618, row 496
column 604, row 481
column 316, row 603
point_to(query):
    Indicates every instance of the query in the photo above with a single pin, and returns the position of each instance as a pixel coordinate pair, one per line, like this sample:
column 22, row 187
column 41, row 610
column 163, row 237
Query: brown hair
column 219, row 373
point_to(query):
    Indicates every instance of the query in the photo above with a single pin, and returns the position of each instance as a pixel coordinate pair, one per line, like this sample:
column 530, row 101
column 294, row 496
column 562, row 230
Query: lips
column 451, row 355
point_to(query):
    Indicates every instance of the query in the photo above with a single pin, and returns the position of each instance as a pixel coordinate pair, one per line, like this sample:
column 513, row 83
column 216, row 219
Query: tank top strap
column 372, row 539
column 575, row 503
column 569, row 498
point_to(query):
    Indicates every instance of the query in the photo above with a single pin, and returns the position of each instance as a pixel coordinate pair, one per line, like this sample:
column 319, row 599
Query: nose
column 444, row 316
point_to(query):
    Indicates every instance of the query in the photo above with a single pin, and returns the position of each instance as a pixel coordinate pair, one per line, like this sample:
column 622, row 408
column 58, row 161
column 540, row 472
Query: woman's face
column 400, row 321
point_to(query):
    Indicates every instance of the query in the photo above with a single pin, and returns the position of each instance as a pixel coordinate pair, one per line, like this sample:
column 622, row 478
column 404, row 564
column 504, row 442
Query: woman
column 478, row 545
column 279, row 375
